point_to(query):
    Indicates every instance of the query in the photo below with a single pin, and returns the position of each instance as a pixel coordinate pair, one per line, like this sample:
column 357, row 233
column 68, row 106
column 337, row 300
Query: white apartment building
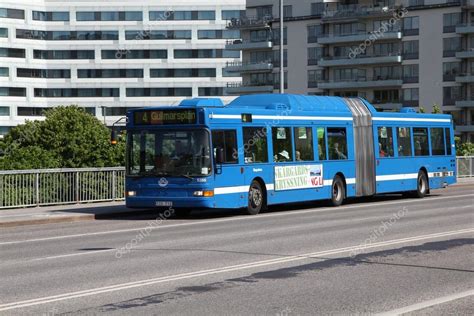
column 108, row 56
column 423, row 57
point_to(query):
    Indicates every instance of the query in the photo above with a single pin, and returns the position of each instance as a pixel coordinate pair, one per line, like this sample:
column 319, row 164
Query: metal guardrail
column 25, row 188
column 465, row 166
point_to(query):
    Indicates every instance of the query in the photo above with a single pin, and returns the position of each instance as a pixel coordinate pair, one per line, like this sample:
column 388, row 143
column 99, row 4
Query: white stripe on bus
column 281, row 117
column 408, row 119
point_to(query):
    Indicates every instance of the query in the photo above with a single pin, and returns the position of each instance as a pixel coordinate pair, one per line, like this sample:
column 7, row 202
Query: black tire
column 256, row 199
column 338, row 191
column 422, row 185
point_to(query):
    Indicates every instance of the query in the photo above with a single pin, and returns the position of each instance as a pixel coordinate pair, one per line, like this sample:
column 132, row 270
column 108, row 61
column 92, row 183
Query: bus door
column 227, row 175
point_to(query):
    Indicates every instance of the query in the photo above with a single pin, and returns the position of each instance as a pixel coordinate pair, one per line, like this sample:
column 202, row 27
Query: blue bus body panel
column 231, row 182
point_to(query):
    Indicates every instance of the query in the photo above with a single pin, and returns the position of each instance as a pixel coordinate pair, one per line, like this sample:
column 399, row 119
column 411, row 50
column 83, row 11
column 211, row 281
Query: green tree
column 69, row 137
column 436, row 109
column 463, row 149
column 421, row 109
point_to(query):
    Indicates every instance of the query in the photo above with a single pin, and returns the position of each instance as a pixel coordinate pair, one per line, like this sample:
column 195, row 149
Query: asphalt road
column 383, row 255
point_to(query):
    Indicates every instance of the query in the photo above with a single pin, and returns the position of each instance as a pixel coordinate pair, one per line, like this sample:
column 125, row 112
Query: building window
column 314, row 55
column 12, row 52
column 387, row 73
column 304, row 144
column 77, row 93
column 3, row 32
column 337, row 142
column 183, row 73
column 232, row 14
column 318, row 8
column 12, row 92
column 287, row 11
column 411, row 97
column 43, row 73
column 205, row 53
column 264, row 12
column 226, row 140
column 182, row 15
column 255, row 145
column 50, row 16
column 4, row 111
column 4, row 72
column 63, row 54
column 159, row 92
column 420, row 137
column 410, row 50
column 66, row 35
column 30, row 111
column 437, row 141
column 282, row 145
column 385, row 142
column 110, row 73
column 315, row 76
column 135, row 54
column 110, row 16
column 12, row 14
column 450, row 21
column 350, row 74
column 218, row 34
column 211, row 92
column 451, row 70
column 157, row 35
column 386, row 96
column 451, row 46
column 451, row 95
column 314, row 31
column 404, row 141
column 411, row 25
column 411, row 73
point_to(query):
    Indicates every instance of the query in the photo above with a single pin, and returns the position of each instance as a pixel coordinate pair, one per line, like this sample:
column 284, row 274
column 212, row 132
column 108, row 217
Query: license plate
column 164, row 203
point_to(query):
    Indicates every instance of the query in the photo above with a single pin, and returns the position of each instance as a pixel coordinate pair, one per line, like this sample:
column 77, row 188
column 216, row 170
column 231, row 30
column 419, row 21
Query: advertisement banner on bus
column 298, row 177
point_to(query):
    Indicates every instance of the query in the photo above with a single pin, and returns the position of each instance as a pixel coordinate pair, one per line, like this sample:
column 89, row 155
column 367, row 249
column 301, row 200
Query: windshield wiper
column 186, row 176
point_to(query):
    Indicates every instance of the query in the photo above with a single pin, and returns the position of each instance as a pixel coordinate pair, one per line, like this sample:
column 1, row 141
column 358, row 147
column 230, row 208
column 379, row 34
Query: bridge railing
column 24, row 188
column 465, row 166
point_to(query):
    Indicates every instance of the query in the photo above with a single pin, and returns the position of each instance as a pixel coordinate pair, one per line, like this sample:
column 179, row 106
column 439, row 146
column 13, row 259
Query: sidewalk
column 88, row 212
column 65, row 213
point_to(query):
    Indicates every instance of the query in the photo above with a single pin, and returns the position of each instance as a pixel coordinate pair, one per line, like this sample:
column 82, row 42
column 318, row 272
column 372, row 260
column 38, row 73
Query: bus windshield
column 176, row 153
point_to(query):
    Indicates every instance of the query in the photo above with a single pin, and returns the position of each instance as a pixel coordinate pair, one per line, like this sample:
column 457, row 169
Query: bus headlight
column 131, row 193
column 205, row 193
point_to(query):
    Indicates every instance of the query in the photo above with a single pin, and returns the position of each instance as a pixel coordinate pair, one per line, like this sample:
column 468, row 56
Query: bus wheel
column 337, row 191
column 421, row 186
column 256, row 198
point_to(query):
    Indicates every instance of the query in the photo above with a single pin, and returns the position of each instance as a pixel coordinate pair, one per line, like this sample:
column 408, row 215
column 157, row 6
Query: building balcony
column 465, row 78
column 249, row 88
column 465, row 127
column 361, row 83
column 250, row 23
column 359, row 37
column 467, row 4
column 466, row 53
column 329, row 61
column 465, row 28
column 264, row 66
column 465, row 104
column 356, row 11
column 244, row 45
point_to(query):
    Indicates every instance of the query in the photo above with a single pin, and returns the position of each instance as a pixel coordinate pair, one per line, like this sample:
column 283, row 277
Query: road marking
column 423, row 305
column 241, row 218
column 189, row 275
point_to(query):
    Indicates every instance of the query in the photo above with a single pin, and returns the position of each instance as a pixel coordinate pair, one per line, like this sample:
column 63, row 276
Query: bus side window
column 420, row 137
column 337, row 141
column 255, row 144
column 321, row 133
column 304, row 144
column 385, row 142
column 282, row 146
column 404, row 141
column 437, row 142
column 227, row 140
column 447, row 135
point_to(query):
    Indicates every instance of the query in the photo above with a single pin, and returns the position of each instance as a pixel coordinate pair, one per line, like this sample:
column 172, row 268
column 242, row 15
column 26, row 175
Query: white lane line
column 242, row 218
column 189, row 275
column 430, row 303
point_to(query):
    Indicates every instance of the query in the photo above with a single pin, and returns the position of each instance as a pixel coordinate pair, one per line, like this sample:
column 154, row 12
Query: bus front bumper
column 174, row 202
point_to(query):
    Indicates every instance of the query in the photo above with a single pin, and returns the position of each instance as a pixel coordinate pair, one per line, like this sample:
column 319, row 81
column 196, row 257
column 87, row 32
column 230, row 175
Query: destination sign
column 165, row 117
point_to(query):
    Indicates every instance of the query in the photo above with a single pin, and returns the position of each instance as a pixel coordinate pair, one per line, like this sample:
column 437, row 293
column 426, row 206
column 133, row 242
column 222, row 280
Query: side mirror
column 220, row 156
column 113, row 137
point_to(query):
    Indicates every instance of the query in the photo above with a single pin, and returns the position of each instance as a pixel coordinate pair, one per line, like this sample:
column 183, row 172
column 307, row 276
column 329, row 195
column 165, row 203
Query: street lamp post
column 282, row 54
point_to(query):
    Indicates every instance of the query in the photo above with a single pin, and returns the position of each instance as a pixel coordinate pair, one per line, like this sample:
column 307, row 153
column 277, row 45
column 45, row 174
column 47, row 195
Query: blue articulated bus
column 262, row 150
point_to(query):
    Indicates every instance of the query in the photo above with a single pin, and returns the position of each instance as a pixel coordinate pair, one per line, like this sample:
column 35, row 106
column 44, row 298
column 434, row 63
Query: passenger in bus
column 381, row 151
column 340, row 155
column 298, row 156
